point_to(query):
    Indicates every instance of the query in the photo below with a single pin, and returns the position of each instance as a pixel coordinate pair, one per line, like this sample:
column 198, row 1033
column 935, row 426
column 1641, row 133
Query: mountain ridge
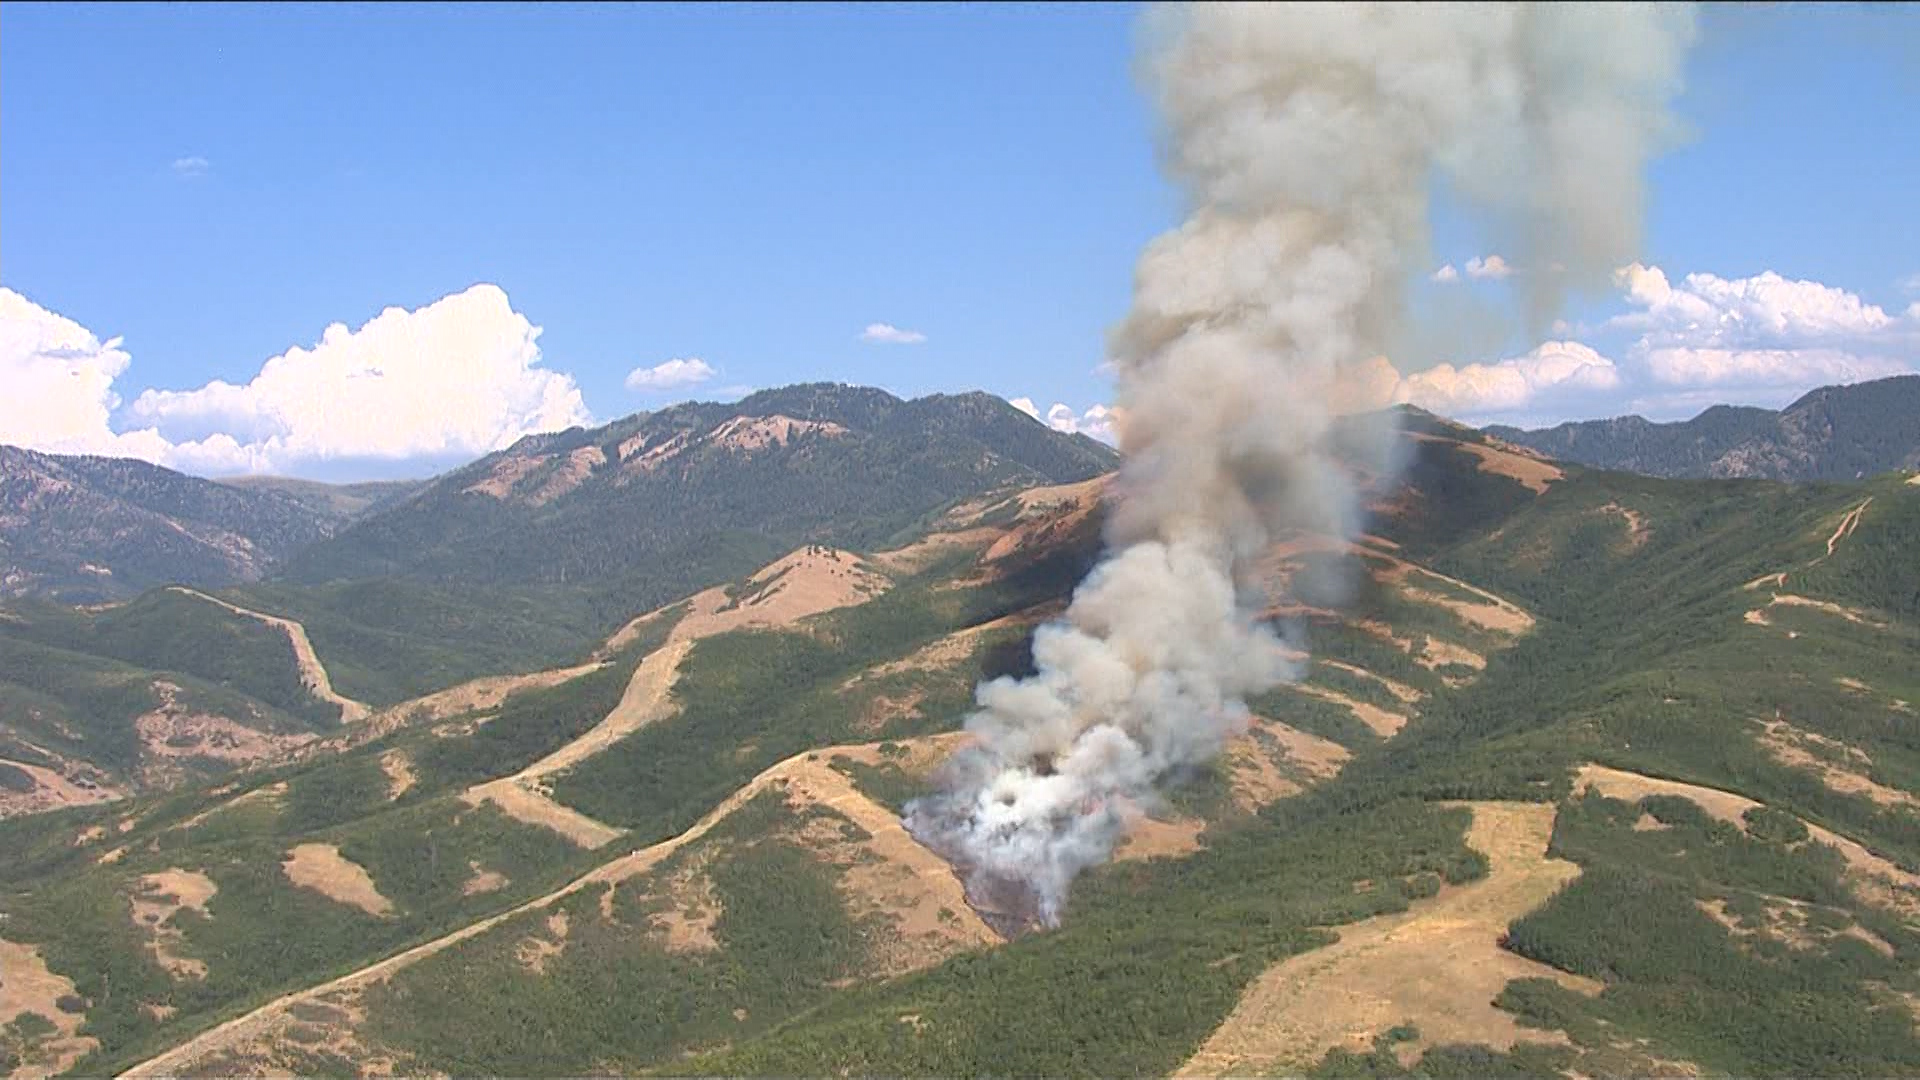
column 1830, row 433
column 725, row 487
column 89, row 529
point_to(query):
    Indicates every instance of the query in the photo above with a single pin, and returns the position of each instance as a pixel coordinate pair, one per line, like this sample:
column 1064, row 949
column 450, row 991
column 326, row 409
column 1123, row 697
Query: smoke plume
column 1308, row 138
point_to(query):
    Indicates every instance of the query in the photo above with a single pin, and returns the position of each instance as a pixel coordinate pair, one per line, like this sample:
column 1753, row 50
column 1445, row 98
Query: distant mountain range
column 1584, row 773
column 95, row 528
column 704, row 487
column 645, row 505
column 656, row 502
column 1833, row 433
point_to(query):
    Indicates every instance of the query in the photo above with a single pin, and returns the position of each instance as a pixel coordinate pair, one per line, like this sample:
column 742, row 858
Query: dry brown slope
column 1437, row 966
column 1873, row 878
column 49, row 791
column 808, row 769
column 806, row 582
column 27, row 986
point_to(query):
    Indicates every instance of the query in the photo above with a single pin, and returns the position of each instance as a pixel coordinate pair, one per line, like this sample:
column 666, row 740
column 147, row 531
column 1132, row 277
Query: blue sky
column 753, row 187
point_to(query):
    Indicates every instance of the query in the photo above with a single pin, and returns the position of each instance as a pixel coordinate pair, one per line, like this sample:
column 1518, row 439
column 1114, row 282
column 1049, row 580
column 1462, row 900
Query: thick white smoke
column 1308, row 137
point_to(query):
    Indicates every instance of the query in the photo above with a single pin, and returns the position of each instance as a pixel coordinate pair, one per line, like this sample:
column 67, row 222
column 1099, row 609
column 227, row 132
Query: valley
column 677, row 848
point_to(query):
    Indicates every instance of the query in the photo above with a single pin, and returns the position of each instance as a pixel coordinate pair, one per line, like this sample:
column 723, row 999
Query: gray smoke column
column 1308, row 138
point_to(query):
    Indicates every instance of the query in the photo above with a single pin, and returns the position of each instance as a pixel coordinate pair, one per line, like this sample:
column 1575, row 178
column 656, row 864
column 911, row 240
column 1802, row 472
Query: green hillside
column 338, row 503
column 1833, row 433
column 1722, row 766
column 700, row 493
column 90, row 529
column 159, row 691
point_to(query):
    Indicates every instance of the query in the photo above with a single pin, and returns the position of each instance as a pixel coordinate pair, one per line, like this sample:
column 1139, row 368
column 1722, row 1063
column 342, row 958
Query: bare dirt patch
column 1273, row 761
column 269, row 793
column 686, row 924
column 1874, row 879
column 478, row 695
column 956, row 648
column 1778, row 581
column 312, row 674
column 323, row 869
column 1437, row 966
column 156, row 900
column 1637, row 531
column 1852, row 615
column 482, row 880
column 1407, row 694
column 536, row 949
column 1787, row 921
column 806, row 582
column 530, row 806
column 580, row 465
column 1847, row 525
column 505, row 476
column 920, row 554
column 53, row 790
column 760, row 432
column 1383, row 723
column 26, row 986
column 646, row 700
column 1254, row 777
column 1046, row 515
column 1840, row 767
column 1149, row 837
column 399, row 769
column 173, row 734
column 287, row 1044
column 802, row 583
column 1488, row 612
column 887, row 874
column 884, row 710
column 1532, row 472
column 1435, row 653
column 1432, row 653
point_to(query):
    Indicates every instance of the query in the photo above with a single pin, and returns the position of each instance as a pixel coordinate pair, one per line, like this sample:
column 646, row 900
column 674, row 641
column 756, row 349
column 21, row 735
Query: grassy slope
column 1640, row 659
column 72, row 682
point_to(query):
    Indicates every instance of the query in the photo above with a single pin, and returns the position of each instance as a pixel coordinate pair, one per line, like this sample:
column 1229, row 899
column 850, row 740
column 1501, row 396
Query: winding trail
column 1847, row 525
column 805, row 582
column 312, row 673
column 808, row 769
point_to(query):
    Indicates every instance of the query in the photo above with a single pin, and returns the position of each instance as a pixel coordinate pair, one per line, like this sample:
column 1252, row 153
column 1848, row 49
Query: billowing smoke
column 1308, row 138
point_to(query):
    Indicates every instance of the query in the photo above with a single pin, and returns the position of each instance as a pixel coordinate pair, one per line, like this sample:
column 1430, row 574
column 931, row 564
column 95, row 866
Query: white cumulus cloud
column 1096, row 421
column 1491, row 268
column 1791, row 369
column 1762, row 339
column 671, row 375
column 1705, row 309
column 1554, row 372
column 888, row 334
column 191, row 166
column 1446, row 275
column 458, row 376
column 1472, row 390
column 59, row 385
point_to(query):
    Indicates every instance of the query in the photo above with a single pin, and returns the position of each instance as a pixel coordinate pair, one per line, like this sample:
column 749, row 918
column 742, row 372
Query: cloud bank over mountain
column 458, row 377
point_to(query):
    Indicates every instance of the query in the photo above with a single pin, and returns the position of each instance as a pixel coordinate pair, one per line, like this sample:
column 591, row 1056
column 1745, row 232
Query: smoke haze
column 1307, row 138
